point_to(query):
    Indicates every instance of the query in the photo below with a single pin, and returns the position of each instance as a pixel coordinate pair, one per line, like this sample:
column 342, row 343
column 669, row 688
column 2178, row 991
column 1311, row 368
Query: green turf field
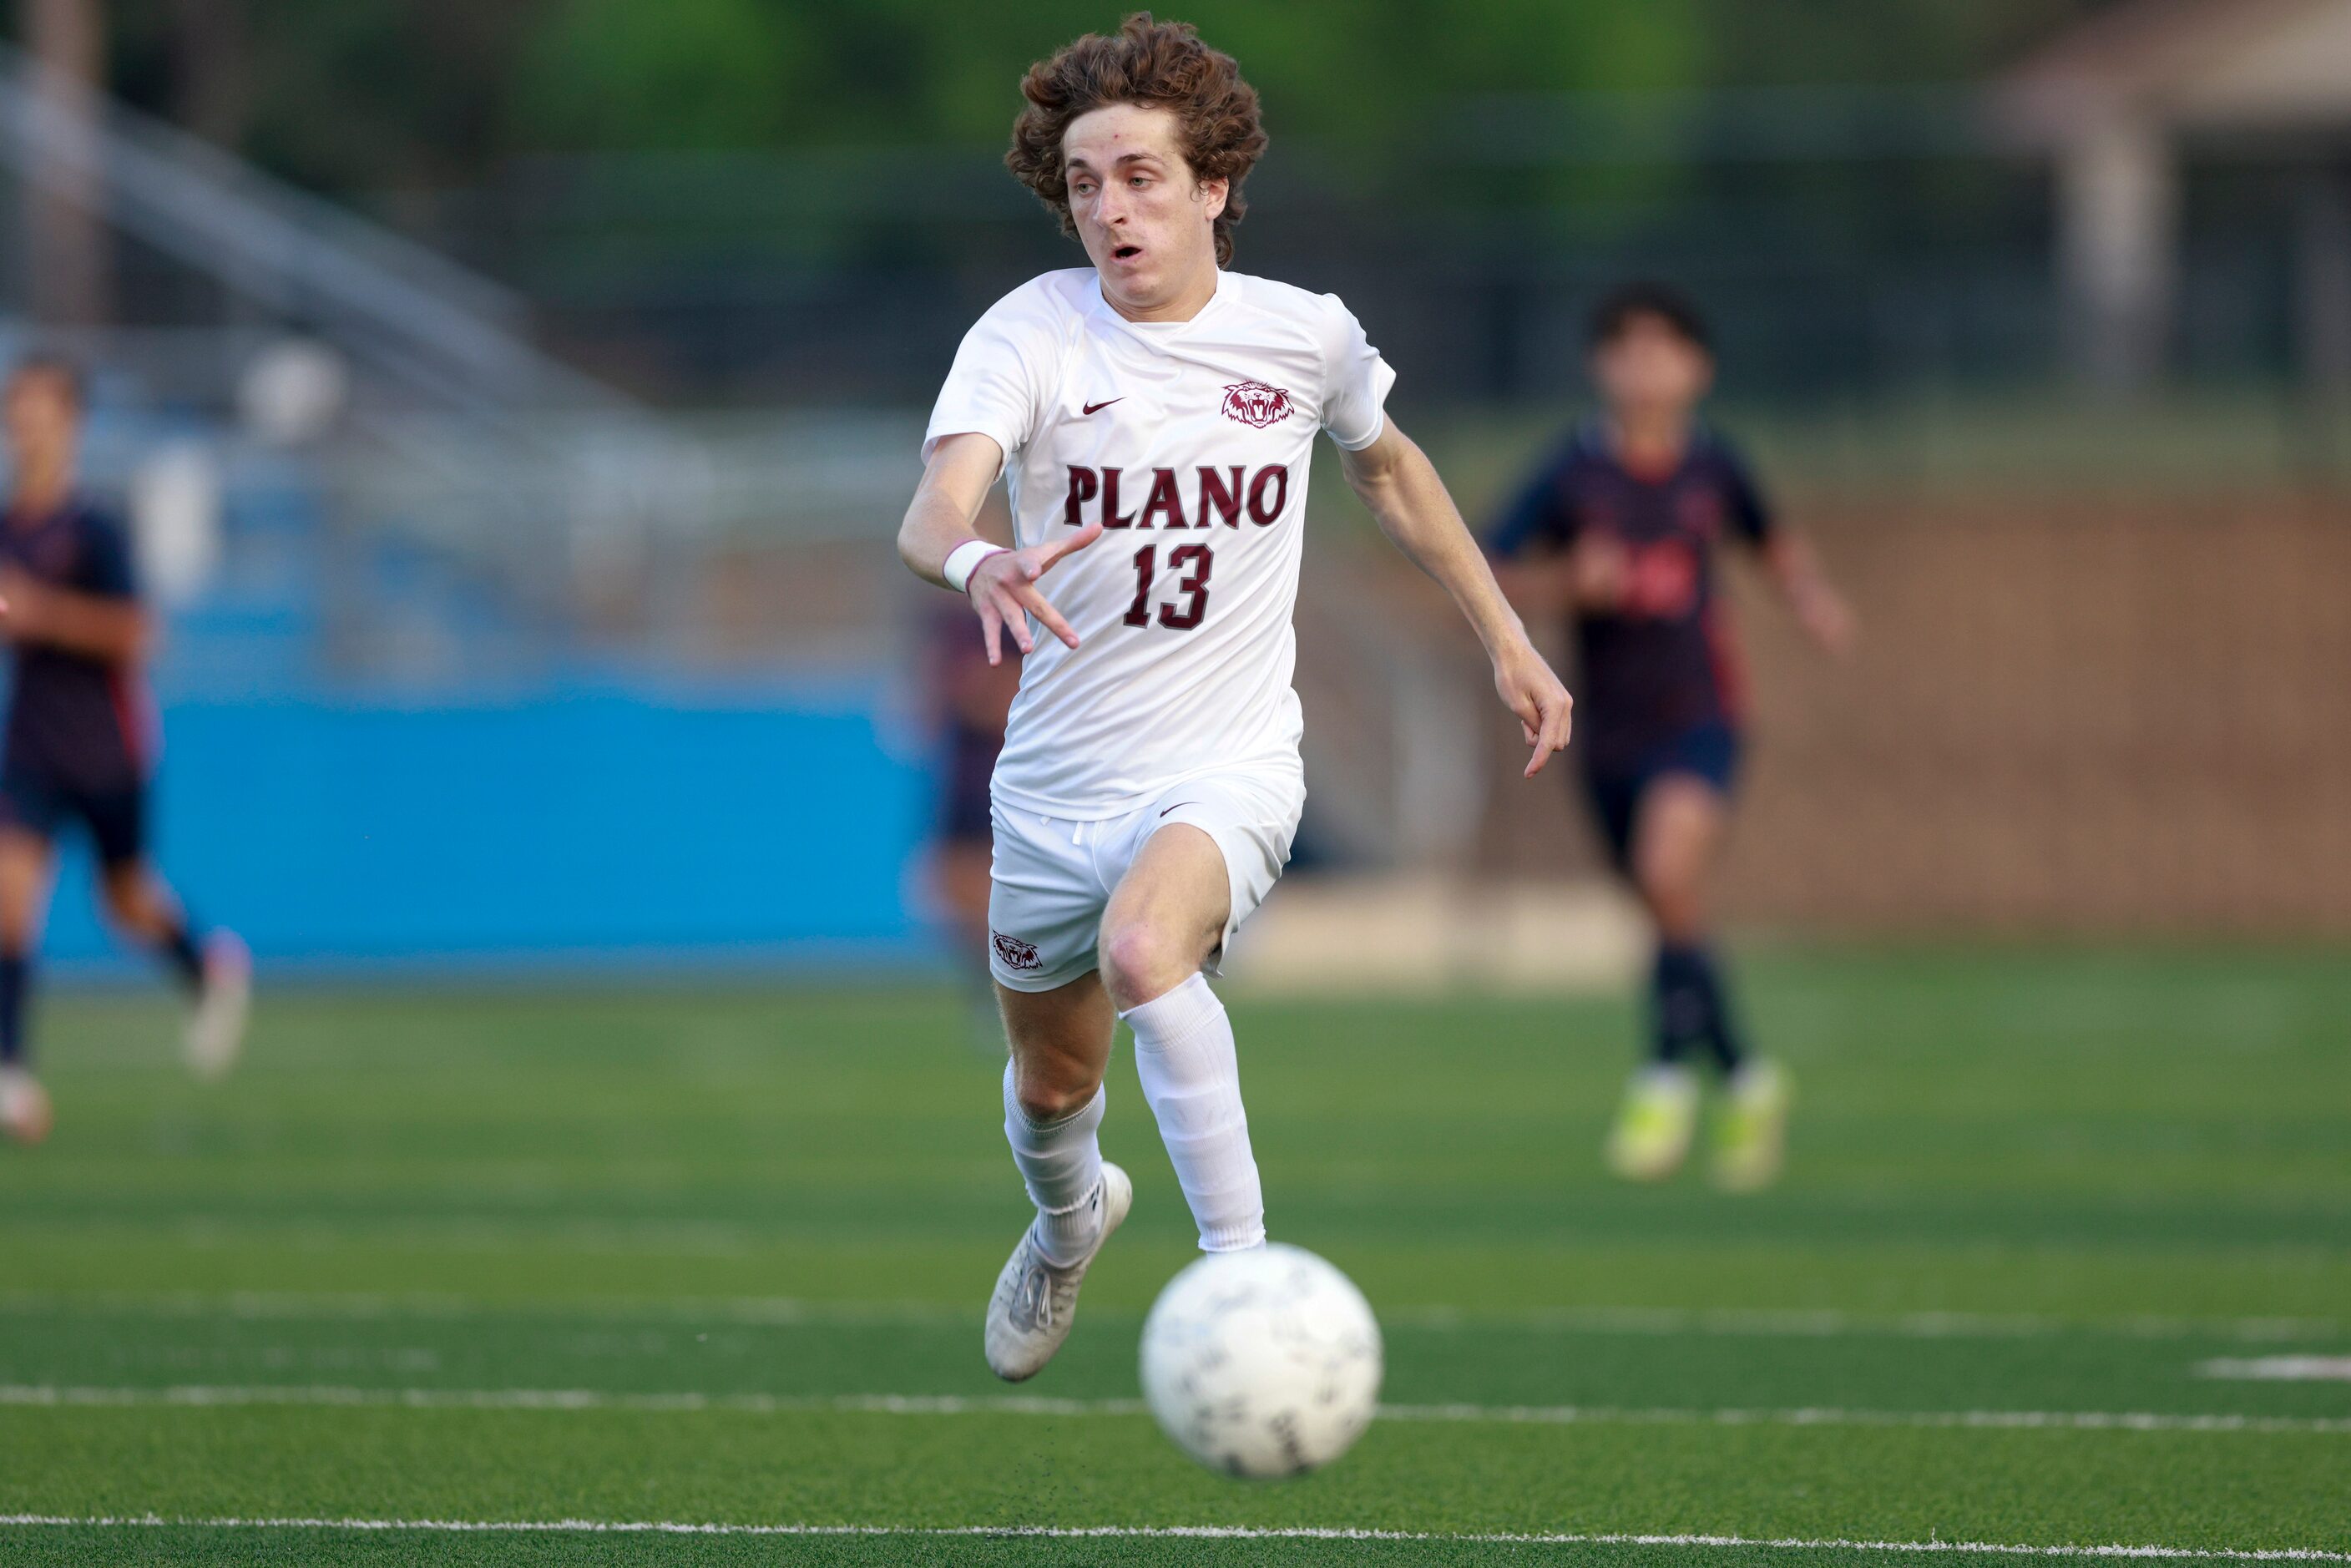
column 688, row 1258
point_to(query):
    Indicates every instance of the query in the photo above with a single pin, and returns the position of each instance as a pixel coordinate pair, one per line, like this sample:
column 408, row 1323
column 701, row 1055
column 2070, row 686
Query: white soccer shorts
column 1053, row 876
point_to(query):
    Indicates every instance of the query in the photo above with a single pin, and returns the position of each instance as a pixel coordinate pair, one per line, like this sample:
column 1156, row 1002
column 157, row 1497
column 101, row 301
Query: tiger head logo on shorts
column 1256, row 403
column 1016, row 954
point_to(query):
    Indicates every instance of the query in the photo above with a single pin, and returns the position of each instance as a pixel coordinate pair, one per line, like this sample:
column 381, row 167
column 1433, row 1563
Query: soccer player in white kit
column 1155, row 417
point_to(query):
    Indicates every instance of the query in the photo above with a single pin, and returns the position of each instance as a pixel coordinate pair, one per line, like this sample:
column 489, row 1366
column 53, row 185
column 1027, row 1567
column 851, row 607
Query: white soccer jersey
column 1190, row 442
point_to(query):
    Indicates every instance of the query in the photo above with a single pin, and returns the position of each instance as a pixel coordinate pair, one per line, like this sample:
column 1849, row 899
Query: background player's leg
column 143, row 907
column 1165, row 919
column 1675, row 835
column 1053, row 1103
column 217, row 970
column 1664, row 830
column 1675, row 843
column 25, row 860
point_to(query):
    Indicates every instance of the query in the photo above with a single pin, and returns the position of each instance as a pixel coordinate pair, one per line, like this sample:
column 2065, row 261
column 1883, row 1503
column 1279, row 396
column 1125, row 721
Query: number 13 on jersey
column 1193, row 585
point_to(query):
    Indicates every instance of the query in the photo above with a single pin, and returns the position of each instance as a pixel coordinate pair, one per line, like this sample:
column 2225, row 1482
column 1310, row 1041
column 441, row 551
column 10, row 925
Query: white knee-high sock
column 1062, row 1164
column 1184, row 1054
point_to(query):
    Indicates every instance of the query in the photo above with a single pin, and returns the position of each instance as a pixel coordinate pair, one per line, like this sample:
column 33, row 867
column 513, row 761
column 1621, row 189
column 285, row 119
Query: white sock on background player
column 1062, row 1164
column 1192, row 1077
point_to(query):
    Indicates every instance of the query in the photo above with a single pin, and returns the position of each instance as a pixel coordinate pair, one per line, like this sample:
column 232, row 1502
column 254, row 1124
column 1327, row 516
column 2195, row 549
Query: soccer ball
column 1261, row 1364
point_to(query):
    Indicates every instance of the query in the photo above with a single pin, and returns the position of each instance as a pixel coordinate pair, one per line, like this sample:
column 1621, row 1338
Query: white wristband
column 964, row 559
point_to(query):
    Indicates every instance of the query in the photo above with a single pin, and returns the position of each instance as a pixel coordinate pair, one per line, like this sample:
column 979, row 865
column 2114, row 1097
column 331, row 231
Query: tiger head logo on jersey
column 1256, row 403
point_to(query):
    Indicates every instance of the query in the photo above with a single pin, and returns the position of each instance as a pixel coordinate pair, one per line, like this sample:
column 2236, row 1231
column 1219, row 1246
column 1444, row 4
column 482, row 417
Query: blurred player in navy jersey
column 78, row 738
column 972, row 698
column 1619, row 528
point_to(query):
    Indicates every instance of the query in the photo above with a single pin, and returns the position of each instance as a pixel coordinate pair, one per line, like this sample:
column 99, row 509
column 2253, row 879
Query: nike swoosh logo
column 1098, row 407
column 1177, row 807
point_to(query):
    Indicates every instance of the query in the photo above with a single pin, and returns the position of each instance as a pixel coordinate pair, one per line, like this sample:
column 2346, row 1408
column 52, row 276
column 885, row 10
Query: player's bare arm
column 114, row 630
column 1003, row 586
column 1401, row 487
column 1814, row 601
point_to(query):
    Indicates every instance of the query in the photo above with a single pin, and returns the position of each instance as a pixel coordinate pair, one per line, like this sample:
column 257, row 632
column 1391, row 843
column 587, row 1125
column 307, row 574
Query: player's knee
column 1676, row 907
column 1046, row 1102
column 1139, row 961
column 1050, row 1085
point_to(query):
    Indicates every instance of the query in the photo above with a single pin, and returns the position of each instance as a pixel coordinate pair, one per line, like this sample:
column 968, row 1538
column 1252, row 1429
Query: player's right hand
column 1003, row 590
column 1524, row 681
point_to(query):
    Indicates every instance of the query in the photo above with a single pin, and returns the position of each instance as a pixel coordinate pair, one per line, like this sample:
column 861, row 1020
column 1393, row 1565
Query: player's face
column 1649, row 368
column 42, row 418
column 1142, row 218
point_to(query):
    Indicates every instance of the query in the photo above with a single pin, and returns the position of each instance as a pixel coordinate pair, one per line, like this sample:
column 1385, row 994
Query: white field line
column 1176, row 1532
column 577, row 1399
column 783, row 1311
column 1799, row 1323
column 2280, row 1368
column 211, row 1395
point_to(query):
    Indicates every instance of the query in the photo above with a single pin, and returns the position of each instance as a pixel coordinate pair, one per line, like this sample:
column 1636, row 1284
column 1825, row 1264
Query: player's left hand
column 1528, row 688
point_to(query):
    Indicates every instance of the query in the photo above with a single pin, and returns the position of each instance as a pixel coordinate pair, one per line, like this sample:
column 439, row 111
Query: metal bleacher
column 432, row 527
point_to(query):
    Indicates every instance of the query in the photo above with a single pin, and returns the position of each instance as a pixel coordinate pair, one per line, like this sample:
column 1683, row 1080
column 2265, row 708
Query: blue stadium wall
column 585, row 830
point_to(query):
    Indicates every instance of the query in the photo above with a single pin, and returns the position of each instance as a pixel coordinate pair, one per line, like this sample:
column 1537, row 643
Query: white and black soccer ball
column 1262, row 1364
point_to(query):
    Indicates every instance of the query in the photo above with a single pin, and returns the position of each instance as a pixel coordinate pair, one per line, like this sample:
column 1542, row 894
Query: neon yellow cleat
column 1750, row 1130
column 1652, row 1134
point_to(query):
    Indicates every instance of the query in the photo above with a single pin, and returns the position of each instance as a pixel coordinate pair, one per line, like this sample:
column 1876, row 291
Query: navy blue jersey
column 1660, row 663
column 73, row 719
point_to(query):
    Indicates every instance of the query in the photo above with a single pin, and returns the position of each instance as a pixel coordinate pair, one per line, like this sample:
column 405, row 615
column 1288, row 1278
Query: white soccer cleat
column 216, row 1034
column 1036, row 1300
column 24, row 1114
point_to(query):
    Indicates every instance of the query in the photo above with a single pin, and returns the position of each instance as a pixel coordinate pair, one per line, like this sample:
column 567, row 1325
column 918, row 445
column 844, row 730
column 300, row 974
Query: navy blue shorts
column 116, row 816
column 1709, row 751
column 964, row 806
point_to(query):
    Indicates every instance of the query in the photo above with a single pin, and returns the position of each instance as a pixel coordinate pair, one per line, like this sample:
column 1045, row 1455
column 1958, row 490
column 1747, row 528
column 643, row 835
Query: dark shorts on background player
column 969, row 764
column 115, row 815
column 1708, row 751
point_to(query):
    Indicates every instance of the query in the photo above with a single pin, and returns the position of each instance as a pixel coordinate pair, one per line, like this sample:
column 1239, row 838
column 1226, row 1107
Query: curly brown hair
column 1154, row 65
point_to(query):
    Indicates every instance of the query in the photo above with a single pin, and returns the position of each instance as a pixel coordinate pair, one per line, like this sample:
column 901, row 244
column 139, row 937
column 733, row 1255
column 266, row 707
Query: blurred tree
column 373, row 94
column 685, row 74
column 212, row 67
column 1868, row 41
column 1331, row 69
column 68, row 259
column 1540, row 45
column 338, row 95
